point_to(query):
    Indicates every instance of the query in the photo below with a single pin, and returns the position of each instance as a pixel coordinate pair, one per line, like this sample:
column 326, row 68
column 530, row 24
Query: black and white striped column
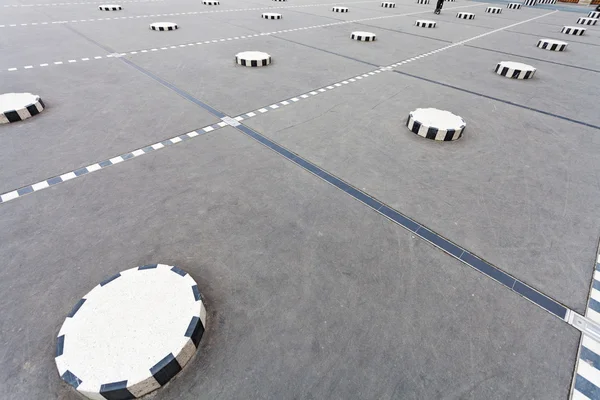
column 552, row 44
column 15, row 107
column 493, row 10
column 109, row 7
column 587, row 21
column 253, row 59
column 424, row 23
column 515, row 70
column 435, row 124
column 269, row 15
column 363, row 36
column 465, row 15
column 573, row 30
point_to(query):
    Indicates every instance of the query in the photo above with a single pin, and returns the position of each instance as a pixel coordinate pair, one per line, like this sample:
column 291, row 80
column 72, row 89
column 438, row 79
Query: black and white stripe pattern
column 465, row 15
column 279, row 0
column 363, row 36
column 546, row 1
column 530, row 3
column 21, row 113
column 100, row 165
column 109, row 7
column 388, row 4
column 433, row 133
column 594, row 14
column 573, row 30
column 587, row 21
column 162, row 369
column 340, row 9
column 271, row 16
column 514, row 6
column 423, row 23
column 253, row 59
column 515, row 70
column 422, row 1
column 211, row 2
column 493, row 10
column 552, row 45
column 163, row 26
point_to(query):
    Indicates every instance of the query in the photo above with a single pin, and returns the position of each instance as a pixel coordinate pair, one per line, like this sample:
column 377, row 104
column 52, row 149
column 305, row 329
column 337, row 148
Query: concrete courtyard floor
column 310, row 293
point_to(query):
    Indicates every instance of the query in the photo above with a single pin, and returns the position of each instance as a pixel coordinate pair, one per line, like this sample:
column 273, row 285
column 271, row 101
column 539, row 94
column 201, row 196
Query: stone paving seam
column 72, row 4
column 211, row 41
column 541, row 300
column 534, row 58
column 545, row 302
column 58, row 179
column 575, row 121
column 175, row 14
column 586, row 378
column 67, row 176
column 359, row 77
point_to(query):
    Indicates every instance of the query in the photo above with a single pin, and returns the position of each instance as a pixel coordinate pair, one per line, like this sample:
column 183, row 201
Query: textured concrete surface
column 310, row 294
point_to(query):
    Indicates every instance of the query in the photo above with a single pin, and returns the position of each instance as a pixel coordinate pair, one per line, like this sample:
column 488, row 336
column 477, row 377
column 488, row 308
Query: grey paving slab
column 252, row 20
column 444, row 31
column 136, row 34
column 545, row 91
column 509, row 43
column 357, row 10
column 95, row 110
column 22, row 47
column 309, row 293
column 209, row 72
column 19, row 16
column 390, row 46
column 591, row 36
column 92, row 11
column 519, row 189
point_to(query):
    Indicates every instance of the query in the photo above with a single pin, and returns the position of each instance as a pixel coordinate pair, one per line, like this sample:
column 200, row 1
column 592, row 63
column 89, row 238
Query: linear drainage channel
column 547, row 303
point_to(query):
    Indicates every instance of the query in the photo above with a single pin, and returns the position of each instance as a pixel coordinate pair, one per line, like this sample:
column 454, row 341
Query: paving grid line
column 586, row 378
column 359, row 77
column 529, row 293
column 550, row 305
column 46, row 183
column 534, row 58
column 73, row 4
column 452, row 249
column 512, row 103
column 211, row 41
column 13, row 194
column 176, row 14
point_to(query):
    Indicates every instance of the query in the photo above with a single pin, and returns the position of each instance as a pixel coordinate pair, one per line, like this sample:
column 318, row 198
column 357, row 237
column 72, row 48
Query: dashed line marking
column 180, row 13
column 73, row 4
column 36, row 187
column 134, row 52
column 226, row 121
column 379, row 70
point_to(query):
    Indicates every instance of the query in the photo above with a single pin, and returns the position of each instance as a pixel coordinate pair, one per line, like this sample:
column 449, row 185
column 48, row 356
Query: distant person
column 438, row 6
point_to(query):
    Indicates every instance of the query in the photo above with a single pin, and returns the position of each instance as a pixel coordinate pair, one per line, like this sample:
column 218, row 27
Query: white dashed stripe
column 174, row 14
column 73, row 4
column 102, row 164
column 135, row 52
